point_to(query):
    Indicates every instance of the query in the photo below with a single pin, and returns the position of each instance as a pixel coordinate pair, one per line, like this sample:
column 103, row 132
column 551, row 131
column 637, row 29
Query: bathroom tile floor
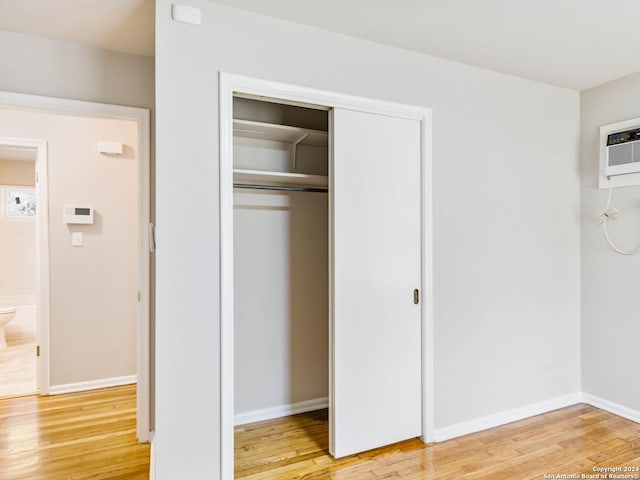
column 18, row 368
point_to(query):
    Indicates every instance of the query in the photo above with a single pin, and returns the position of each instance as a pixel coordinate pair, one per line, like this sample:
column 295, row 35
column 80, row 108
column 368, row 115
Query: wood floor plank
column 89, row 435
column 92, row 436
column 569, row 441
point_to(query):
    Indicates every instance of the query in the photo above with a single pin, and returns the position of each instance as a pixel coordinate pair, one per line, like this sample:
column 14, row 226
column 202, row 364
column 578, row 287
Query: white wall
column 18, row 255
column 17, row 236
column 281, row 299
column 55, row 68
column 610, row 300
column 506, row 218
column 93, row 305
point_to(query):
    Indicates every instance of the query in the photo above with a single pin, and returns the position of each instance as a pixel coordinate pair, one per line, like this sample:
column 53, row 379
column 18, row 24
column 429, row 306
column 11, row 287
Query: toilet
column 6, row 314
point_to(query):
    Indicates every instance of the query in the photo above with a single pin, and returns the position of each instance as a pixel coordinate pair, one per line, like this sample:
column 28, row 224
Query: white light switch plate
column 76, row 239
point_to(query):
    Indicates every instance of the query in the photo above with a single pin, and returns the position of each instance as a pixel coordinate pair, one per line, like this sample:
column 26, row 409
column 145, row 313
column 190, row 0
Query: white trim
column 91, row 385
column 230, row 84
column 508, row 416
column 611, row 407
column 226, row 278
column 152, row 455
column 332, row 311
column 463, row 428
column 37, row 103
column 427, row 294
column 311, row 96
column 142, row 117
column 43, row 282
column 143, row 350
column 281, row 411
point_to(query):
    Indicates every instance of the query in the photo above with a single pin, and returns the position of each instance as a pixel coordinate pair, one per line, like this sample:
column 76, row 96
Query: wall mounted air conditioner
column 623, row 152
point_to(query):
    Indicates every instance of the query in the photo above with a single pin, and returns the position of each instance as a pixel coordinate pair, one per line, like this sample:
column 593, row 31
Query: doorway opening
column 18, row 279
column 94, row 296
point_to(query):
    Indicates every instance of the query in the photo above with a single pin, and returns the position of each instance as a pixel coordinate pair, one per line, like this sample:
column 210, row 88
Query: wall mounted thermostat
column 77, row 215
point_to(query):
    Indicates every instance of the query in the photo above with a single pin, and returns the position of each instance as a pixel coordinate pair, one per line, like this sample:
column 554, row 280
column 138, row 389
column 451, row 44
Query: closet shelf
column 279, row 133
column 279, row 178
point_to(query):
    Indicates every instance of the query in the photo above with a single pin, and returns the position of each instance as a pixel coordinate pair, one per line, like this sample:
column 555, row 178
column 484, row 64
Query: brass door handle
column 416, row 296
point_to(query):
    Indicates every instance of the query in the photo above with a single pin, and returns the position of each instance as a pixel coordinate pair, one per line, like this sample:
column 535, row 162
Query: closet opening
column 281, row 280
column 325, row 238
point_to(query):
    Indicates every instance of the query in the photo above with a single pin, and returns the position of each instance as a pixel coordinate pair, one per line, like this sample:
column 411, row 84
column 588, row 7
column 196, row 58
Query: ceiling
column 121, row 25
column 571, row 43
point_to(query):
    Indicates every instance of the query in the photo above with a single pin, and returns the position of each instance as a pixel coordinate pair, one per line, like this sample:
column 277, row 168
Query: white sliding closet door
column 375, row 238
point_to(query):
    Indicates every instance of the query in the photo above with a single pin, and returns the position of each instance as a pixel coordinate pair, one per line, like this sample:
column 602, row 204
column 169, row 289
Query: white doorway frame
column 230, row 84
column 141, row 116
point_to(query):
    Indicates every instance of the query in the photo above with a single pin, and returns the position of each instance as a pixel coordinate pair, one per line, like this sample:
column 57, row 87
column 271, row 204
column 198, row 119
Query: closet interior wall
column 280, row 262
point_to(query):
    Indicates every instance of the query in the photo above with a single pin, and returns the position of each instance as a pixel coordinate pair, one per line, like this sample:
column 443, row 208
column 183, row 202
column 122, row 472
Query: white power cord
column 612, row 214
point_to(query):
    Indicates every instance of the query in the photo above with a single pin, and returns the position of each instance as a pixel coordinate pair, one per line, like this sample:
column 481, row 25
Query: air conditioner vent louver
column 623, row 152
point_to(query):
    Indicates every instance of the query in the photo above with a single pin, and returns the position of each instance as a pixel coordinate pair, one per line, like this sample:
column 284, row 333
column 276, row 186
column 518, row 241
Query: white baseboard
column 508, row 416
column 152, row 456
column 611, row 407
column 92, row 385
column 17, row 300
column 281, row 411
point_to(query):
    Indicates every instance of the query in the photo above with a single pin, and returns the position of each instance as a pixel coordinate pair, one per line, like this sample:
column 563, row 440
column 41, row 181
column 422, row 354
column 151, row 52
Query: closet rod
column 279, row 187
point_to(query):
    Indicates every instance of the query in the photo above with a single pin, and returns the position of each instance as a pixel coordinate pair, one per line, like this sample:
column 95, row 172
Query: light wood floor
column 92, row 436
column 78, row 436
column 18, row 367
column 573, row 440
